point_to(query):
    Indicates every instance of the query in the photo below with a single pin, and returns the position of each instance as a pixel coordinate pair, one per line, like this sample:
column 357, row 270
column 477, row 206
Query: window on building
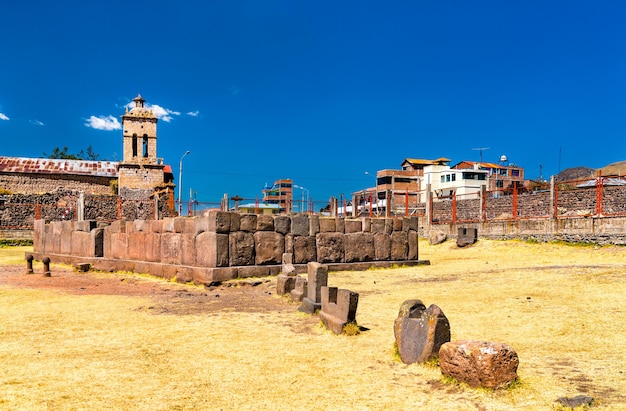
column 383, row 180
column 499, row 183
column 134, row 145
column 453, row 177
column 145, row 145
column 515, row 172
column 443, row 179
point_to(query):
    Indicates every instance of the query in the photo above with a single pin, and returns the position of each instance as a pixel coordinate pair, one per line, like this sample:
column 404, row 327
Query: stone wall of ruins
column 226, row 245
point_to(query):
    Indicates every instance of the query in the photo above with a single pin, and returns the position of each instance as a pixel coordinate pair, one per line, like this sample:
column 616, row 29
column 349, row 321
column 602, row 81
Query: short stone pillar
column 286, row 280
column 466, row 236
column 420, row 332
column 479, row 363
column 338, row 308
column 46, row 266
column 300, row 290
column 317, row 278
column 29, row 264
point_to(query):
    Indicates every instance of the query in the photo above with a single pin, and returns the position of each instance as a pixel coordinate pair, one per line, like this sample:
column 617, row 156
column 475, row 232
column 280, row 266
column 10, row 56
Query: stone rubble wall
column 226, row 245
column 23, row 183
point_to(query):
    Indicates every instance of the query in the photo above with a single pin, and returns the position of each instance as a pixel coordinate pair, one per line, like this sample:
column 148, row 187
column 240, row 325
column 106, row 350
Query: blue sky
column 318, row 91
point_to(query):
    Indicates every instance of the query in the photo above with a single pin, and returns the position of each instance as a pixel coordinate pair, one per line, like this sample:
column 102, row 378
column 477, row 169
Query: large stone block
column 265, row 222
column 479, row 363
column 168, row 225
column 153, row 246
column 330, row 247
column 219, row 221
column 254, row 271
column 382, row 246
column 248, row 222
column 235, row 221
column 377, row 225
column 340, row 225
column 413, row 239
column 399, row 245
column 269, row 247
column 66, row 242
column 304, row 249
column 338, row 308
column 119, row 245
column 188, row 249
column 353, row 226
column 397, row 224
column 171, row 248
column 314, row 225
column 282, row 224
column 82, row 244
column 212, row 249
column 359, row 247
column 241, row 248
column 300, row 225
column 420, row 331
column 136, row 245
column 327, row 225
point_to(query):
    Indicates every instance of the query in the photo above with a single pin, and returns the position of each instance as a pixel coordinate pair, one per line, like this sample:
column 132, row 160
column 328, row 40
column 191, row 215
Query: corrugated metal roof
column 427, row 162
column 55, row 166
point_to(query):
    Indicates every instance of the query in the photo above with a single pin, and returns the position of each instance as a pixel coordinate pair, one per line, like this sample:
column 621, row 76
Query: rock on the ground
column 437, row 237
column 479, row 363
column 420, row 331
column 577, row 401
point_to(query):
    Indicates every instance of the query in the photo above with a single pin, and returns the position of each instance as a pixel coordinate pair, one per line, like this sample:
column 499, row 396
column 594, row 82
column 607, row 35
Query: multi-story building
column 280, row 193
column 445, row 181
column 501, row 177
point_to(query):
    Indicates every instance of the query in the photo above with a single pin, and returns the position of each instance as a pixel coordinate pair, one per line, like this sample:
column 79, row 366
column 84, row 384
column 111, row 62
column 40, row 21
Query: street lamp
column 180, row 184
column 307, row 197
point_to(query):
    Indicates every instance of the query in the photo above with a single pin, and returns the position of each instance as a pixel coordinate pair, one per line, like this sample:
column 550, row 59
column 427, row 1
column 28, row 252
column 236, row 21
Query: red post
column 37, row 211
column 371, row 206
column 454, row 207
column 514, row 200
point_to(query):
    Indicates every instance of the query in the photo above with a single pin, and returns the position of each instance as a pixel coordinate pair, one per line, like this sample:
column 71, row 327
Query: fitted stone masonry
column 226, row 245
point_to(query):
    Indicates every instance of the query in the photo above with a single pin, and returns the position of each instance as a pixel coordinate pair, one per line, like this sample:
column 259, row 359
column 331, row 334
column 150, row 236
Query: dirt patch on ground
column 246, row 295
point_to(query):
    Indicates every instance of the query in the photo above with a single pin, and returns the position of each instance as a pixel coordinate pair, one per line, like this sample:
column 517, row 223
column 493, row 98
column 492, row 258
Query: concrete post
column 81, row 206
column 156, row 207
column 429, row 207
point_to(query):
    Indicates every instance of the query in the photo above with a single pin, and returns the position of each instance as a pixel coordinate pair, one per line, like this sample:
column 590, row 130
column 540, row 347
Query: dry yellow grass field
column 561, row 307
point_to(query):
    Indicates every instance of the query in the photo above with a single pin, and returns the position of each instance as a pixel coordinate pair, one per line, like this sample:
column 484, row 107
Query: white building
column 445, row 181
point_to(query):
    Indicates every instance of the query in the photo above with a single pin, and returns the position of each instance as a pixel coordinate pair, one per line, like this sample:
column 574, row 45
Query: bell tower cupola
column 140, row 137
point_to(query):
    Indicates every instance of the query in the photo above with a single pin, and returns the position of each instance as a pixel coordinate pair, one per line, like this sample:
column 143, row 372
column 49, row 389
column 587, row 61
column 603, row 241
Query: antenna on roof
column 481, row 149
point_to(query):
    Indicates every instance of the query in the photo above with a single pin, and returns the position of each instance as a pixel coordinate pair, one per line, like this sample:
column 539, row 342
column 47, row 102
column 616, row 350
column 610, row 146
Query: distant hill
column 576, row 173
column 582, row 173
column 614, row 169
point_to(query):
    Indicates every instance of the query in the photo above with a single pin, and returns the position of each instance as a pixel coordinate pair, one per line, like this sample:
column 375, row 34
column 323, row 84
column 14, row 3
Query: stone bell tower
column 140, row 168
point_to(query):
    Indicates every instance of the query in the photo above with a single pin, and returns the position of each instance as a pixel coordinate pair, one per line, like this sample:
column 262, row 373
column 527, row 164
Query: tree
column 59, row 153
